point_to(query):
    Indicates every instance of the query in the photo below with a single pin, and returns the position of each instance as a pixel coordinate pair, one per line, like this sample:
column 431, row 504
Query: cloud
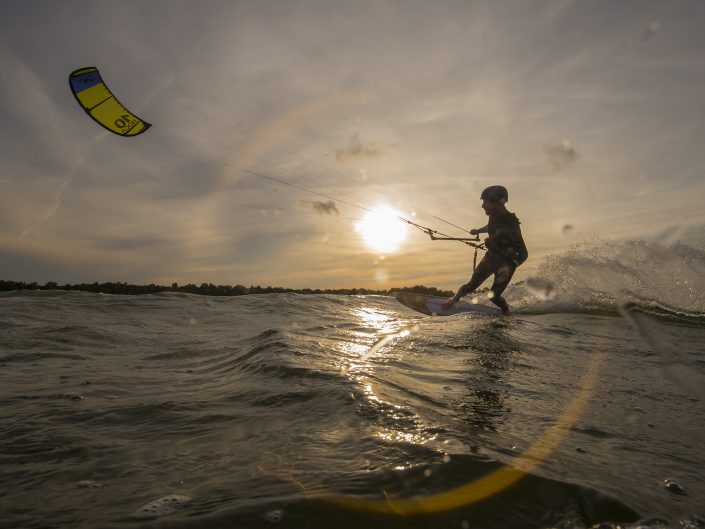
column 57, row 198
column 139, row 243
column 650, row 31
column 56, row 203
column 274, row 212
column 358, row 149
column 35, row 130
column 322, row 208
column 561, row 155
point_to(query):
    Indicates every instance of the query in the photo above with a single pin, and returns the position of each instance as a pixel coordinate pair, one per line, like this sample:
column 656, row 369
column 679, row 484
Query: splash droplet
column 541, row 288
column 674, row 487
column 274, row 516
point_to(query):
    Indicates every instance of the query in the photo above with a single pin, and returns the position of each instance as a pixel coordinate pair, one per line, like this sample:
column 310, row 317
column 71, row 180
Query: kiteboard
column 433, row 305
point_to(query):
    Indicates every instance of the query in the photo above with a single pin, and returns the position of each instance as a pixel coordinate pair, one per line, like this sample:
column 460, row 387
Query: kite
column 99, row 103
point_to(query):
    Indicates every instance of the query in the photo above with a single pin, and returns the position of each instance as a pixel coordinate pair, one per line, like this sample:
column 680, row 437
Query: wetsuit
column 505, row 252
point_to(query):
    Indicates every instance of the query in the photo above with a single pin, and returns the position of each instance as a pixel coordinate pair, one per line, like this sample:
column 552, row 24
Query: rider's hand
column 474, row 232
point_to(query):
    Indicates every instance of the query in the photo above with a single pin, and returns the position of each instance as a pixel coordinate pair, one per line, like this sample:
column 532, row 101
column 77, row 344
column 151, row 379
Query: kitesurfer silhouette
column 506, row 249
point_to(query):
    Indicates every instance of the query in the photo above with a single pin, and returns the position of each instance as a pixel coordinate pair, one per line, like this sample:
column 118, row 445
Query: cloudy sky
column 590, row 112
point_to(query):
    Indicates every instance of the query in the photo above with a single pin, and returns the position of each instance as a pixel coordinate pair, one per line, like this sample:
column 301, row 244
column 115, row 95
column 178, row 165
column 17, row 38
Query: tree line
column 211, row 289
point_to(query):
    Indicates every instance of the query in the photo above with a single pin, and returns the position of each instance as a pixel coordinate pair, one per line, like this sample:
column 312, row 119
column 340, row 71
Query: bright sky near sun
column 589, row 112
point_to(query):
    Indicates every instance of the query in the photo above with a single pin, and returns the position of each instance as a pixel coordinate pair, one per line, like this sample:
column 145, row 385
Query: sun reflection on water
column 372, row 346
column 379, row 320
column 367, row 353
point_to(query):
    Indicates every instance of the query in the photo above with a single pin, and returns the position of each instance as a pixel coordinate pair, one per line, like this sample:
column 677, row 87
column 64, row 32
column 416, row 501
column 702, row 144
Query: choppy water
column 353, row 411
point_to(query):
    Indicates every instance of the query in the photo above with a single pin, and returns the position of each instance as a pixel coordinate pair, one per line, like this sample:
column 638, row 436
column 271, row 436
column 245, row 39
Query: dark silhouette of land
column 210, row 289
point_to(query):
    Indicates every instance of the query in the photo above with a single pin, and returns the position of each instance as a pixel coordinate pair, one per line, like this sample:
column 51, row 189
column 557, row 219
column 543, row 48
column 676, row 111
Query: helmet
column 495, row 194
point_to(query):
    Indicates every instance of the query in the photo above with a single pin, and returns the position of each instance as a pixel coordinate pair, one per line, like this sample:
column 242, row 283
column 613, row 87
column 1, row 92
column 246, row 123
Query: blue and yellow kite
column 99, row 103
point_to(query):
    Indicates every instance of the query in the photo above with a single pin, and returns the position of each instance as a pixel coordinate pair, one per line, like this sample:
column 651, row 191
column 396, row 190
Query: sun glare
column 382, row 230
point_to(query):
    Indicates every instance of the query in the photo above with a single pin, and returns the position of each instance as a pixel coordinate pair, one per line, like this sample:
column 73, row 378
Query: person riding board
column 505, row 249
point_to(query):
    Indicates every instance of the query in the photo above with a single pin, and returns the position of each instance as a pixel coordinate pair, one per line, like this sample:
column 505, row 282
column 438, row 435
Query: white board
column 432, row 305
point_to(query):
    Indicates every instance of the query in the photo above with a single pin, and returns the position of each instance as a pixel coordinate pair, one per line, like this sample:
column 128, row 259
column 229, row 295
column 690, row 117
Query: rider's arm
column 479, row 230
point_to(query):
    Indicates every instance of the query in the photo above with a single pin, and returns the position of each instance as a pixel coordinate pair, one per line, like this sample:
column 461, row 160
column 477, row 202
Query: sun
column 382, row 230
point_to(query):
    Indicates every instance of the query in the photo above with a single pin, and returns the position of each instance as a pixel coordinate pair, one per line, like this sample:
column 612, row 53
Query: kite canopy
column 99, row 103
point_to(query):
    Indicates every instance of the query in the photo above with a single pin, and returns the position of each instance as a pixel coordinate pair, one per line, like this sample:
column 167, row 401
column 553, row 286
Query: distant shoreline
column 209, row 289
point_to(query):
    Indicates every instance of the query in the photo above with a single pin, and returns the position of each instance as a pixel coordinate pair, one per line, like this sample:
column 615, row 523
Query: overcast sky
column 590, row 112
